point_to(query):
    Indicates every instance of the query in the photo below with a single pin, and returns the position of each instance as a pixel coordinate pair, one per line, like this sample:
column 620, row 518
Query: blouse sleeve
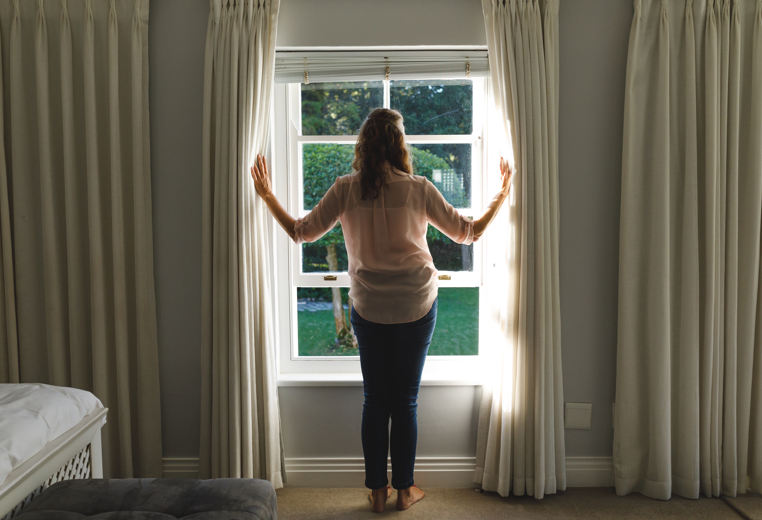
column 445, row 218
column 320, row 220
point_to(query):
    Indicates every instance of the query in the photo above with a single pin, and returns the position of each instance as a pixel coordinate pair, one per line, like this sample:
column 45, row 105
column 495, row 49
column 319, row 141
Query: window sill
column 354, row 379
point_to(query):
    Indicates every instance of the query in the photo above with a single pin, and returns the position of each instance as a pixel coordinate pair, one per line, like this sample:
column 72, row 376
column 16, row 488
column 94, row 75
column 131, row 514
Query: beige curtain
column 520, row 443
column 77, row 305
column 240, row 419
column 689, row 360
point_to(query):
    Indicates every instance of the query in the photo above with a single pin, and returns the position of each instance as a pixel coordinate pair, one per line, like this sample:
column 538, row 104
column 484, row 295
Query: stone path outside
column 310, row 306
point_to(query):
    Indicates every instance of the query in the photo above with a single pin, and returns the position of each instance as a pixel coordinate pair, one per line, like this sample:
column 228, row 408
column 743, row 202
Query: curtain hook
column 306, row 74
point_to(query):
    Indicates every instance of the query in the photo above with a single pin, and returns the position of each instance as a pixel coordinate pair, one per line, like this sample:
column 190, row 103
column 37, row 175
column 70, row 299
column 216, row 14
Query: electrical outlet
column 578, row 416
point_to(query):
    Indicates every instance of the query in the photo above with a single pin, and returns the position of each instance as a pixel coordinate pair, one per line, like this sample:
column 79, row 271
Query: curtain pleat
column 52, row 230
column 520, row 441
column 98, row 298
column 240, row 425
column 709, row 376
column 754, row 470
column 688, row 348
column 78, row 304
column 75, row 204
column 9, row 348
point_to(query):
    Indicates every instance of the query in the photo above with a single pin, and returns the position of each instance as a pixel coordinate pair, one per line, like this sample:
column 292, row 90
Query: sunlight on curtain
column 499, row 346
column 520, row 439
column 240, row 416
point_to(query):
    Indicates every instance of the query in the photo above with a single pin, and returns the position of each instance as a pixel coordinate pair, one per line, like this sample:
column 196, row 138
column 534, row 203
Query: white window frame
column 287, row 186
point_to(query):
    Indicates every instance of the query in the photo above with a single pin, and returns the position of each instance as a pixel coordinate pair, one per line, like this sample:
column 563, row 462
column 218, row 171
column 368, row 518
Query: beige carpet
column 452, row 504
column 749, row 505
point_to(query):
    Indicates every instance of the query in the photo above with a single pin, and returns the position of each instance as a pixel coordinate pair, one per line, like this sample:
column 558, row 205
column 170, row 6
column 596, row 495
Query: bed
column 47, row 434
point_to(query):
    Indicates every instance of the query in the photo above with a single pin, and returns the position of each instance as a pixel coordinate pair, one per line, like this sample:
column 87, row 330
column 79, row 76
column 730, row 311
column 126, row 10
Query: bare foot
column 408, row 497
column 378, row 498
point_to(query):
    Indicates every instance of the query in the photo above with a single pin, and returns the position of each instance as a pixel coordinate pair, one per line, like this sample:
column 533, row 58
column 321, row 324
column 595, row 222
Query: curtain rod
column 442, row 48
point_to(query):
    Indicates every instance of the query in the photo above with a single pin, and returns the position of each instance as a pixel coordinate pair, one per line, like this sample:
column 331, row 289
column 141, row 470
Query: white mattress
column 32, row 415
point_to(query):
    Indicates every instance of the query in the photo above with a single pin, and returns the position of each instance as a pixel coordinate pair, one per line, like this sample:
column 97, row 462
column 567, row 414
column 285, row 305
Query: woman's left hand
column 261, row 177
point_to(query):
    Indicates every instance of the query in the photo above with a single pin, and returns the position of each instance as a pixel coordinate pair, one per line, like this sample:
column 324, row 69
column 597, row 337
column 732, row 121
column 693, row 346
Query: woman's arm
column 261, row 177
column 481, row 224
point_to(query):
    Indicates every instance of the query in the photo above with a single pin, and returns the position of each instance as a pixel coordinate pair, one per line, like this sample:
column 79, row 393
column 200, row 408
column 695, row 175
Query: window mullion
column 468, row 139
column 318, row 279
column 387, row 94
column 326, row 139
column 459, row 279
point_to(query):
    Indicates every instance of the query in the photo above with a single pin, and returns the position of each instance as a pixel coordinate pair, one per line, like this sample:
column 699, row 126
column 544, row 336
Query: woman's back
column 393, row 278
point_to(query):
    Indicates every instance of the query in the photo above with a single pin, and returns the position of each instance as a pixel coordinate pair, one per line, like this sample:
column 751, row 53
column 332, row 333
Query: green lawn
column 457, row 330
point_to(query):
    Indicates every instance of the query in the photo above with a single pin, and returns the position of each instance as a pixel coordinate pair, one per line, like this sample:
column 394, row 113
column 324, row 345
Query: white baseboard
column 438, row 472
column 179, row 467
column 435, row 472
column 589, row 472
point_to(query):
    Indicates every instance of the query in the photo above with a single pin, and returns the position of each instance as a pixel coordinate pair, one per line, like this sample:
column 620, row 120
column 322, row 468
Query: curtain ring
column 387, row 70
column 306, row 74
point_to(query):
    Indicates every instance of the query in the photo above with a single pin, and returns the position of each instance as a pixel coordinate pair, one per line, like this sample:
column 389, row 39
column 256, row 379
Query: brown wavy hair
column 379, row 144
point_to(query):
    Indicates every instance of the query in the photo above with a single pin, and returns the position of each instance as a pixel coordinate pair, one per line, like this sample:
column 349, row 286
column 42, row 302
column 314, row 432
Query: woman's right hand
column 506, row 174
column 261, row 177
column 481, row 223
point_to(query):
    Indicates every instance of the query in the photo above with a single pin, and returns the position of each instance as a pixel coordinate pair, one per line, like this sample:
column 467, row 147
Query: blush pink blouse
column 392, row 274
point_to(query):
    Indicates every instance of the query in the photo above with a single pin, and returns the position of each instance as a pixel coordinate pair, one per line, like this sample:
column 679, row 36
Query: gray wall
column 373, row 23
column 176, row 41
column 325, row 421
column 593, row 43
column 594, row 35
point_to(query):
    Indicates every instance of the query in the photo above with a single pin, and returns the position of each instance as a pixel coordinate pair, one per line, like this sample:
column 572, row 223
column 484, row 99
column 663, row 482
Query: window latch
column 330, row 277
column 445, row 277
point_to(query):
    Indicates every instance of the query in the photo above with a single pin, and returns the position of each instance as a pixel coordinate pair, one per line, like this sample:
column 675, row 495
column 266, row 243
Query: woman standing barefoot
column 384, row 211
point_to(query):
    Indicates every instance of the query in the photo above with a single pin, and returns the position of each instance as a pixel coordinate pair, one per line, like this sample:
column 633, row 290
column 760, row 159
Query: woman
column 384, row 211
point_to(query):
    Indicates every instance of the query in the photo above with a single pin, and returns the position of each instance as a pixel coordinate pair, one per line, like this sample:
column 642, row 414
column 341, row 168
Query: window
column 319, row 122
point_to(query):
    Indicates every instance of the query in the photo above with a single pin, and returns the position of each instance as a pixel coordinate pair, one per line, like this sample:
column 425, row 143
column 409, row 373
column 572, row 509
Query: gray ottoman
column 155, row 499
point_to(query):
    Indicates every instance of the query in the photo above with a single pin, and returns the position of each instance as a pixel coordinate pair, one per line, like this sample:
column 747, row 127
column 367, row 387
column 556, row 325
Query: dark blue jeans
column 391, row 357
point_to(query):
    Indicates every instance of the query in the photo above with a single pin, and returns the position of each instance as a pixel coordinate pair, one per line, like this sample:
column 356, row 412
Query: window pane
column 449, row 255
column 318, row 326
column 448, row 166
column 434, row 107
column 338, row 108
column 457, row 330
column 456, row 333
column 321, row 164
column 329, row 254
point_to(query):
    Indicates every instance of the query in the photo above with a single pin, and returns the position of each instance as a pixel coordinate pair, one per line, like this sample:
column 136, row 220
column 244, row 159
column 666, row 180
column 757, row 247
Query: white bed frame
column 75, row 454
